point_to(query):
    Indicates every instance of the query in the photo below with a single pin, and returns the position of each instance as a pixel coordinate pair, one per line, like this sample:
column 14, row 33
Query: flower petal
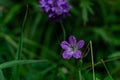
column 72, row 40
column 50, row 1
column 80, row 44
column 66, row 55
column 65, row 45
column 77, row 54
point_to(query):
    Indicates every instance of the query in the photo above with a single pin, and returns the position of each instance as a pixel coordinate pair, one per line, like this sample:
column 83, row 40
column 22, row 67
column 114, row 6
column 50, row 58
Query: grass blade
column 19, row 51
column 92, row 60
column 107, row 69
column 19, row 62
column 80, row 71
column 15, row 74
column 99, row 62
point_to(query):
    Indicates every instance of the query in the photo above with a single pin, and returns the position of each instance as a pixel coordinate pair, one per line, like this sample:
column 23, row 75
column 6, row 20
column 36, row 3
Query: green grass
column 30, row 42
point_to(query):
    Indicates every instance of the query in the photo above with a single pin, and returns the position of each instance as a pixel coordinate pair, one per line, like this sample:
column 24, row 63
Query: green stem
column 2, row 75
column 99, row 62
column 80, row 74
column 19, row 51
column 86, row 51
column 107, row 69
column 63, row 29
column 15, row 73
column 92, row 60
column 80, row 70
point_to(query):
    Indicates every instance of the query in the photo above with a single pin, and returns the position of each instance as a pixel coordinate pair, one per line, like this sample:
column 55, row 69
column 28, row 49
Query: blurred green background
column 96, row 20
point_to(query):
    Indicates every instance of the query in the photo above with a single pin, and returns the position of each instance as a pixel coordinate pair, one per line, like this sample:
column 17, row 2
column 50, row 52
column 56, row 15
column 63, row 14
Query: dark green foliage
column 95, row 20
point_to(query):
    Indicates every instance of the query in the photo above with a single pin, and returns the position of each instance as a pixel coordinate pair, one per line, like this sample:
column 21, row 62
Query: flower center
column 73, row 48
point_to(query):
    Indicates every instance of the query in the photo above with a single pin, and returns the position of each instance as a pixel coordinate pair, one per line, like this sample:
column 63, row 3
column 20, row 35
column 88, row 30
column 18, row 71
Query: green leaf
column 116, row 54
column 12, row 13
column 102, row 33
column 97, row 78
column 86, row 8
column 107, row 78
column 19, row 62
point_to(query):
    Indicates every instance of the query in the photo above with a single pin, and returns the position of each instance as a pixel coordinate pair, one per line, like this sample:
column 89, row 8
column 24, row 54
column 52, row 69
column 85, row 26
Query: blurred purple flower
column 72, row 48
column 56, row 9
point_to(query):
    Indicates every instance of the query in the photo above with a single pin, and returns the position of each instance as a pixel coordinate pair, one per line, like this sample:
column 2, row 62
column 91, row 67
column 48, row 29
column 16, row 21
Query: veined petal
column 80, row 44
column 65, row 45
column 72, row 40
column 77, row 54
column 66, row 55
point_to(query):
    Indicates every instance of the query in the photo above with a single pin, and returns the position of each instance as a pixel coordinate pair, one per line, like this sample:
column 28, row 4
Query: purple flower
column 72, row 48
column 56, row 9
